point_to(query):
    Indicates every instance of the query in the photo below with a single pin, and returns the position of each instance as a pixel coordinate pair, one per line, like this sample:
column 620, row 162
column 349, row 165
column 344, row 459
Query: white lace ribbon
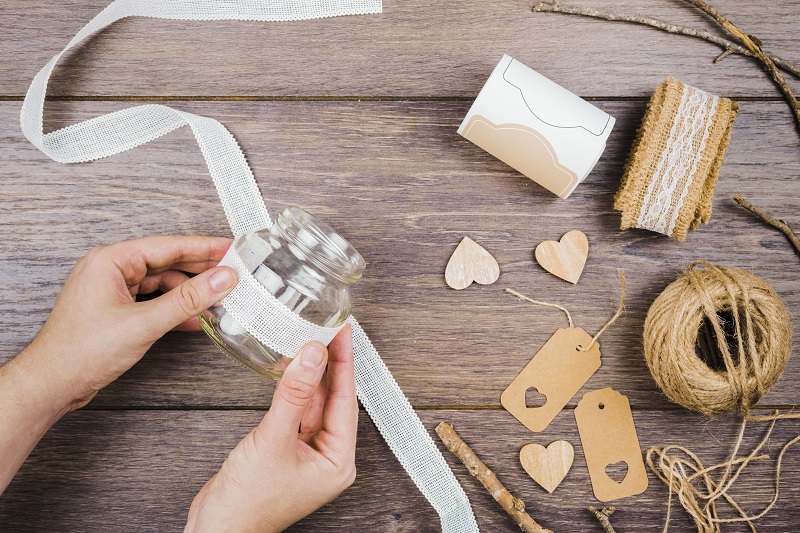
column 677, row 165
column 244, row 207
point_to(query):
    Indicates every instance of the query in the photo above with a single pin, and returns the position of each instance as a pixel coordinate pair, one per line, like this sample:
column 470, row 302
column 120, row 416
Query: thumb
column 188, row 299
column 293, row 394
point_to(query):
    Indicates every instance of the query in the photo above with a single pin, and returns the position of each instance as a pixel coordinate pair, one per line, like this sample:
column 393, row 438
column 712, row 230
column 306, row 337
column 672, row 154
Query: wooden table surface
column 355, row 119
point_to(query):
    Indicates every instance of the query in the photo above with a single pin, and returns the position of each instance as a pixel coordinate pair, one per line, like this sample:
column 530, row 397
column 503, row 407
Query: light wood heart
column 565, row 258
column 471, row 262
column 547, row 466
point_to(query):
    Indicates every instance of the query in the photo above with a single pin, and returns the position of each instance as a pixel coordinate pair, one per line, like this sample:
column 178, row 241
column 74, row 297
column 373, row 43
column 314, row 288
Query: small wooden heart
column 547, row 466
column 565, row 258
column 471, row 262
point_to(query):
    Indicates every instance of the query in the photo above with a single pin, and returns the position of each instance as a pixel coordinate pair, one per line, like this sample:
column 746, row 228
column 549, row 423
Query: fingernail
column 221, row 280
column 312, row 356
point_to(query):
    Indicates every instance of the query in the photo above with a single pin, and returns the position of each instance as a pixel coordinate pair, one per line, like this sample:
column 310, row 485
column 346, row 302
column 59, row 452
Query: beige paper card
column 523, row 149
column 537, row 127
column 471, row 262
column 608, row 436
column 547, row 466
column 557, row 371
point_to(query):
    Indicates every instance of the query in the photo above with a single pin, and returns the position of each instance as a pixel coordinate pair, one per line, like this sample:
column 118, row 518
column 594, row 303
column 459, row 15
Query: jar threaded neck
column 321, row 244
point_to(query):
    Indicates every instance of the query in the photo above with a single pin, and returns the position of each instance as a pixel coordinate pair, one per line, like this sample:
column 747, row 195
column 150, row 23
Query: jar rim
column 346, row 263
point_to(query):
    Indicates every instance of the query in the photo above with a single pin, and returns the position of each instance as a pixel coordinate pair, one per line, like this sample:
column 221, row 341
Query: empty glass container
column 307, row 266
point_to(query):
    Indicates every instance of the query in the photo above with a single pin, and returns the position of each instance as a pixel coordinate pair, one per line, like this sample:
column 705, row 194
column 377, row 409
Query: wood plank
column 396, row 180
column 139, row 470
column 431, row 48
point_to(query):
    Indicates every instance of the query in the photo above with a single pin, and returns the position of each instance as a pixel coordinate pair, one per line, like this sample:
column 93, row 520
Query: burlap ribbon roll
column 674, row 164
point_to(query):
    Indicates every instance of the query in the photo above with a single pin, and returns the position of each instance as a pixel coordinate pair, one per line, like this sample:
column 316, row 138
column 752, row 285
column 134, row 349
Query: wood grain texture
column 565, row 257
column 415, row 48
column 470, row 263
column 417, row 188
column 139, row 470
column 547, row 465
column 395, row 178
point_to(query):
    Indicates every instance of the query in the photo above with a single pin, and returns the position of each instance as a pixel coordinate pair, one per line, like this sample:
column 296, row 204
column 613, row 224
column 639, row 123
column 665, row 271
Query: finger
column 186, row 301
column 193, row 324
column 293, row 395
column 340, row 417
column 312, row 419
column 192, row 267
column 163, row 281
column 135, row 257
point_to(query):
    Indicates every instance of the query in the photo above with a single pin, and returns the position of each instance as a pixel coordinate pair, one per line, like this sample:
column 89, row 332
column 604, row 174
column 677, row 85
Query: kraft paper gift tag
column 557, row 371
column 608, row 436
column 537, row 127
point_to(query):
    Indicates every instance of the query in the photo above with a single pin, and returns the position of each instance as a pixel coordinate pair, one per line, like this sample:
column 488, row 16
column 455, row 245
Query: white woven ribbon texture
column 244, row 207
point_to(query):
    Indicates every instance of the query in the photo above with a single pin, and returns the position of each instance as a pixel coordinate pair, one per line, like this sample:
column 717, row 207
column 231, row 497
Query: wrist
column 30, row 403
column 48, row 382
column 213, row 511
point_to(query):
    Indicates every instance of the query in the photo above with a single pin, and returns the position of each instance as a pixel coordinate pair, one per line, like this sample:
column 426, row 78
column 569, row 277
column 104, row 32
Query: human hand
column 97, row 330
column 300, row 457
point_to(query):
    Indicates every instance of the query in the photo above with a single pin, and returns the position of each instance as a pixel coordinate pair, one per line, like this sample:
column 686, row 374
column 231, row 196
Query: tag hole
column 578, row 348
column 601, row 405
column 617, row 471
column 534, row 398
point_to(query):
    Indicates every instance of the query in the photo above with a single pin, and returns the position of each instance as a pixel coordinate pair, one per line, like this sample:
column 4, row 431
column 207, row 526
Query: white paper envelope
column 537, row 127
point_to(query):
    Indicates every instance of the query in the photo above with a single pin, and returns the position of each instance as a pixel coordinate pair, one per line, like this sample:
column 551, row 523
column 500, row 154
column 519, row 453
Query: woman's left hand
column 97, row 330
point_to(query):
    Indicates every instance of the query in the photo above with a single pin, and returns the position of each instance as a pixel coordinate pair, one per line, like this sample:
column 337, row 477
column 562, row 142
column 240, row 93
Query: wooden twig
column 602, row 516
column 511, row 505
column 780, row 225
column 729, row 46
column 723, row 55
column 754, row 45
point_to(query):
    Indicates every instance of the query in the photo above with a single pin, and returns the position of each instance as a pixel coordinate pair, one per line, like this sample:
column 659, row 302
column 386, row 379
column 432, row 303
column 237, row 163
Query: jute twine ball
column 744, row 366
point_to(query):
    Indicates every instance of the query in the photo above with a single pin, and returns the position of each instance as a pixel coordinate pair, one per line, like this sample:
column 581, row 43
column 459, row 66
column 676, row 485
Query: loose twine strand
column 691, row 483
column 537, row 302
column 614, row 318
column 569, row 317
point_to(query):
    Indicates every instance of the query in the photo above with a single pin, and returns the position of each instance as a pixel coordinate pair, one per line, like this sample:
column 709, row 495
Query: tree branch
column 511, row 505
column 729, row 46
column 780, row 225
column 602, row 516
column 754, row 45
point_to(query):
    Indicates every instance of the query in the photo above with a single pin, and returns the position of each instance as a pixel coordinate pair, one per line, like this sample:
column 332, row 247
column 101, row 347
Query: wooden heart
column 565, row 258
column 471, row 262
column 547, row 466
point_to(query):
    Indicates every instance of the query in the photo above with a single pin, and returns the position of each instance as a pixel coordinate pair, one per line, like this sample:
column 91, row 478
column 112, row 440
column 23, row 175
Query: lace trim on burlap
column 673, row 167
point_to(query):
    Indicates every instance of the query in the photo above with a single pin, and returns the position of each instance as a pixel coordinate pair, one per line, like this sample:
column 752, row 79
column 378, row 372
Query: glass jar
column 307, row 266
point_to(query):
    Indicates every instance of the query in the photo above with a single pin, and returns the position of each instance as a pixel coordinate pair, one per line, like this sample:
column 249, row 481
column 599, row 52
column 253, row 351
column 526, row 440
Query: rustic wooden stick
column 602, row 517
column 723, row 55
column 780, row 225
column 511, row 505
column 754, row 45
column 729, row 46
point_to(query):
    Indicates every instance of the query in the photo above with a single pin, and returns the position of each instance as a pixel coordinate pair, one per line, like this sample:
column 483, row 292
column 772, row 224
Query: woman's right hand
column 300, row 457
